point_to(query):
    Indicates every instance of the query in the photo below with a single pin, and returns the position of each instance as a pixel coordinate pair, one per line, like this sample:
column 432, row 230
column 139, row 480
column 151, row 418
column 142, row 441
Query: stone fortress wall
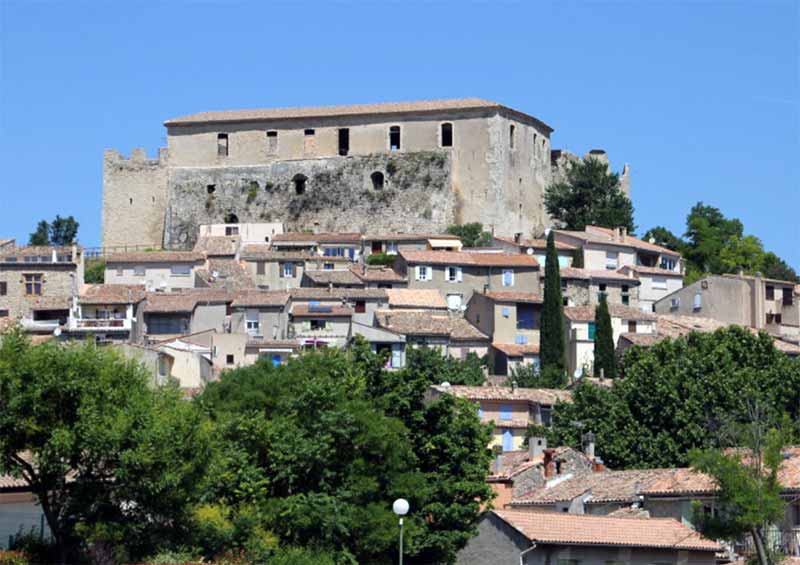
column 291, row 169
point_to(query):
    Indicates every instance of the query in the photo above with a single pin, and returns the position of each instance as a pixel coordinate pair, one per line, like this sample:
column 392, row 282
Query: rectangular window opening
column 222, row 144
column 344, row 141
column 394, row 138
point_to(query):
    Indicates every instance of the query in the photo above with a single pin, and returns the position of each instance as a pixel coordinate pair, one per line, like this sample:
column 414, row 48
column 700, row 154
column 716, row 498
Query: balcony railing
column 100, row 323
column 786, row 542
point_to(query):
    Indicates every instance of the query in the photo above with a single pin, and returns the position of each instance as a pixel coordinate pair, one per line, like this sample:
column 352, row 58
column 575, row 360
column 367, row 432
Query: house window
column 625, row 295
column 601, row 291
column 181, row 270
column 511, row 133
column 668, row 264
column 454, row 301
column 252, row 323
column 299, row 184
column 631, row 326
column 344, row 141
column 309, row 132
column 770, row 292
column 3, row 288
column 318, row 324
column 138, row 270
column 394, row 138
column 508, row 277
column 222, row 144
column 658, row 284
column 3, row 313
column 545, row 413
column 272, row 141
column 447, row 135
column 361, row 307
column 778, row 318
column 453, row 274
column 424, row 273
column 229, row 359
column 391, row 248
column 508, row 440
column 526, row 317
column 592, row 331
column 377, row 180
column 612, row 259
column 788, row 299
column 506, row 412
column 261, row 268
column 288, row 270
column 327, row 266
column 231, row 230
column 33, row 285
column 698, row 301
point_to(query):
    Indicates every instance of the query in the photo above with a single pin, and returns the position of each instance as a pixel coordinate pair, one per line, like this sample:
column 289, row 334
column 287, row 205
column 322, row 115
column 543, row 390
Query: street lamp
column 400, row 507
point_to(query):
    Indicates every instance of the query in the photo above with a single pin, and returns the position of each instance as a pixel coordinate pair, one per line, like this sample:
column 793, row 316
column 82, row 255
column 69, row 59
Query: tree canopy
column 62, row 231
column 472, row 234
column 590, row 195
column 677, row 394
column 605, row 362
column 551, row 335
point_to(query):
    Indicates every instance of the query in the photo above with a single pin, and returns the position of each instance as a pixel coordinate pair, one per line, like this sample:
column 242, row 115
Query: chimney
column 598, row 465
column 536, row 447
column 549, row 463
column 588, row 445
column 623, row 232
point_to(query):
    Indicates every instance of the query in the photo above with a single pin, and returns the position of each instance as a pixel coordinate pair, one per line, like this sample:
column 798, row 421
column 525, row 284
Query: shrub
column 382, row 259
column 14, row 558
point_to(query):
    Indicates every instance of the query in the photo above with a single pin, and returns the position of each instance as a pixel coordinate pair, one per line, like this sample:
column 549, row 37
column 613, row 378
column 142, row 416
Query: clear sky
column 701, row 98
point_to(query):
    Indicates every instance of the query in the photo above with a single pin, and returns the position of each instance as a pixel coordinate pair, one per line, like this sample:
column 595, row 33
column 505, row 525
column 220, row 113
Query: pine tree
column 604, row 359
column 551, row 335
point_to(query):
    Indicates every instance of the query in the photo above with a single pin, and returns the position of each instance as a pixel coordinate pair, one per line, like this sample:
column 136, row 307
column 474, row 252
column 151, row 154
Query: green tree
column 551, row 335
column 773, row 267
column 605, row 361
column 471, row 235
column 590, row 195
column 95, row 272
column 111, row 460
column 677, row 394
column 665, row 238
column 577, row 258
column 527, row 376
column 749, row 498
column 42, row 234
column 62, row 231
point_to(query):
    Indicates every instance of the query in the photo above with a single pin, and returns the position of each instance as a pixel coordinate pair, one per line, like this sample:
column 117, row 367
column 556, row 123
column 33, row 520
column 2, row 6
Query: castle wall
column 134, row 199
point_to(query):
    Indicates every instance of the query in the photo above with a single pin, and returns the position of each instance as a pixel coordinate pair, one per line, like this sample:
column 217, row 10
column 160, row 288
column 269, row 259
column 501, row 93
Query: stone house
column 229, row 351
column 260, row 314
column 457, row 274
column 392, row 244
column 316, row 324
column 274, row 270
column 537, row 248
column 38, row 284
column 379, row 277
column 513, row 320
column 519, row 537
column 510, row 409
column 580, row 332
column 108, row 312
column 364, row 302
column 583, row 287
column 168, row 315
column 750, row 301
column 340, row 278
column 383, row 341
column 654, row 283
column 156, row 270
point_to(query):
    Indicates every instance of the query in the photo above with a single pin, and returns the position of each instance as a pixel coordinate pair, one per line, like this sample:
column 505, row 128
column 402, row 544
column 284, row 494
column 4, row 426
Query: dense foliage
column 551, row 336
column 471, row 235
column 94, row 272
column 717, row 245
column 605, row 361
column 381, row 259
column 677, row 394
column 590, row 195
column 62, row 231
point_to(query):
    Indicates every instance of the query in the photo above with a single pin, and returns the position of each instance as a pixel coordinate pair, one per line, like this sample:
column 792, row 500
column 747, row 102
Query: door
column 508, row 440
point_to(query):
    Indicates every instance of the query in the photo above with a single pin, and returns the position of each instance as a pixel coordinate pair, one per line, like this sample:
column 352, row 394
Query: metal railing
column 100, row 252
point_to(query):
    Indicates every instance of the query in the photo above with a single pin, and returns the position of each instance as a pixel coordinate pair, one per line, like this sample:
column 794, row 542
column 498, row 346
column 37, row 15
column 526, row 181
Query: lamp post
column 400, row 507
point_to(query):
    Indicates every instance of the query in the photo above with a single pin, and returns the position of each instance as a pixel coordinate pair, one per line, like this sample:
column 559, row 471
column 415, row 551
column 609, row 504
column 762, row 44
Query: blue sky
column 701, row 98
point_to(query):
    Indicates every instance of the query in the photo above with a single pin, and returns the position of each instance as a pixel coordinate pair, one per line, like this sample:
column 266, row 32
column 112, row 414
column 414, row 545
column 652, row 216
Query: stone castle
column 396, row 167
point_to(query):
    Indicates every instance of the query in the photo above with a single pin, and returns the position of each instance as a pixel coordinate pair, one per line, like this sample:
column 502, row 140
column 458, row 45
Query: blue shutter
column 592, row 329
column 505, row 412
column 508, row 440
column 480, row 412
column 276, row 360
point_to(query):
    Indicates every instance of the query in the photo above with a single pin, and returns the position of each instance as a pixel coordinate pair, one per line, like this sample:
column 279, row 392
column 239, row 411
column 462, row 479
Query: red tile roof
column 330, row 276
column 429, row 323
column 594, row 274
column 155, row 257
column 466, row 258
column 597, row 234
column 536, row 243
column 586, row 313
column 516, row 350
column 112, row 294
column 512, row 296
column 546, row 396
column 321, row 311
column 416, row 298
column 343, row 237
column 255, row 298
column 409, row 236
column 377, row 274
column 580, row 529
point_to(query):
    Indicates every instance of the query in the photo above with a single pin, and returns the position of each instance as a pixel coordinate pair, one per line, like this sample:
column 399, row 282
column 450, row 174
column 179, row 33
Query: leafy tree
column 551, row 335
column 527, row 376
column 677, row 394
column 95, row 272
column 577, row 258
column 62, row 231
column 605, row 362
column 112, row 461
column 665, row 238
column 472, row 234
column 773, row 267
column 591, row 195
column 749, row 497
column 382, row 259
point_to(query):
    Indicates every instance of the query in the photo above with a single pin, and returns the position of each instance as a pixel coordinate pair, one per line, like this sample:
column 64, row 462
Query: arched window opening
column 447, row 135
column 394, row 138
column 211, row 188
column 299, row 184
column 377, row 180
column 231, row 218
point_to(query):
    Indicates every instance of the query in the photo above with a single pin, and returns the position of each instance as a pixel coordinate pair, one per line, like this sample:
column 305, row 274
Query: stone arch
column 378, row 180
column 299, row 182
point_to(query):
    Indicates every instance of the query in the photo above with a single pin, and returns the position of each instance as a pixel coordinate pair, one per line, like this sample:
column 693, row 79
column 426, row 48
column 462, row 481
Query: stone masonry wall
column 339, row 195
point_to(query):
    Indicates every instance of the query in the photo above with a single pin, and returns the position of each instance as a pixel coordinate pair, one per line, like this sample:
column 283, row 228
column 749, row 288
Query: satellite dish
column 529, row 251
column 57, row 332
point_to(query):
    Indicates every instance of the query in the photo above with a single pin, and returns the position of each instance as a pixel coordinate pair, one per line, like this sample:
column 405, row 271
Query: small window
column 698, row 301
column 222, row 144
column 211, row 188
column 625, row 295
column 508, row 277
column 453, row 274
column 778, row 318
column 272, row 141
column 261, row 268
column 511, row 134
column 377, row 180
column 139, row 270
column 299, row 184
column 33, row 285
column 506, row 413
column 327, row 266
column 309, row 132
column 181, row 270
column 787, row 297
column 3, row 313
column 447, row 135
column 288, row 270
column 229, row 359
column 631, row 326
column 612, row 259
column 231, row 230
column 3, row 288
column 394, row 138
column 344, row 141
column 770, row 292
column 361, row 307
column 658, row 284
column 423, row 273
column 318, row 324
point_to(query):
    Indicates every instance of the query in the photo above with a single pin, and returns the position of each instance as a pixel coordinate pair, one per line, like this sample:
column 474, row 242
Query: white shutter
column 416, row 270
column 459, row 274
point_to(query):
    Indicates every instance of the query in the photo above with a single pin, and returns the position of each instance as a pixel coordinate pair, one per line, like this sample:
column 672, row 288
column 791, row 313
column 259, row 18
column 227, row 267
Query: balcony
column 100, row 324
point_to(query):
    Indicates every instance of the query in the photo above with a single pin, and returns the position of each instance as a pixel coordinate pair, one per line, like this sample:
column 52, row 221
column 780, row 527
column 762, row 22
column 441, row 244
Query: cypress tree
column 604, row 358
column 551, row 334
column 577, row 258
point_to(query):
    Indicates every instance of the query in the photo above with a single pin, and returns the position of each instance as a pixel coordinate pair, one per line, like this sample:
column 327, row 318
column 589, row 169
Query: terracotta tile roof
column 409, row 236
column 255, row 298
column 275, row 343
column 415, row 298
column 428, row 323
column 545, row 528
column 340, row 277
column 656, row 271
column 512, row 296
column 155, row 257
column 225, row 273
column 34, row 250
column 342, row 237
column 386, row 108
column 218, row 245
column 597, row 234
column 586, row 313
column 473, row 259
column 321, row 311
column 310, row 293
column 536, row 243
column 597, row 275
column 516, row 350
column 264, row 252
column 185, row 300
column 645, row 340
column 111, row 293
column 602, row 487
column 546, row 396
column 512, row 463
column 7, row 482
column 377, row 274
